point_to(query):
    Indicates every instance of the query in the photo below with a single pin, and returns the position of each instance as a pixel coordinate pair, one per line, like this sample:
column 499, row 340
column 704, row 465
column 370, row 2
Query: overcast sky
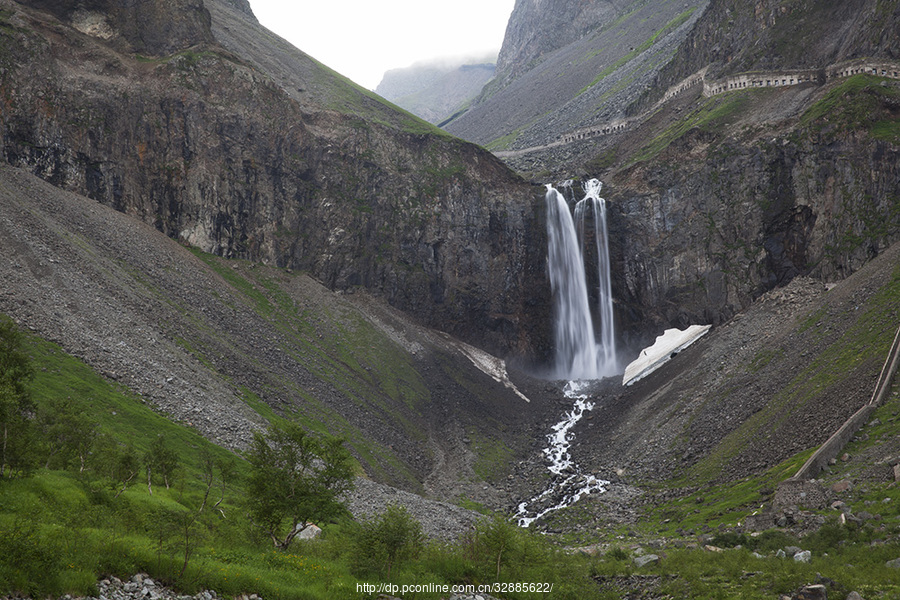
column 364, row 38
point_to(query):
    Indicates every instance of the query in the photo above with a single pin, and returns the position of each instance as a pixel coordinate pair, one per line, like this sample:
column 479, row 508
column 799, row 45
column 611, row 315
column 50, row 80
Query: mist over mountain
column 436, row 90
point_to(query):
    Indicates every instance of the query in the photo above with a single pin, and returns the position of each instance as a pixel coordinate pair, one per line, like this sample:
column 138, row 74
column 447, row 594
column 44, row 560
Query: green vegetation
column 709, row 117
column 15, row 403
column 186, row 521
column 294, row 479
column 388, row 541
column 858, row 103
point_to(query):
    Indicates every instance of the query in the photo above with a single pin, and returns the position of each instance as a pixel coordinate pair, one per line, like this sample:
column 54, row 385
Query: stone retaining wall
column 739, row 82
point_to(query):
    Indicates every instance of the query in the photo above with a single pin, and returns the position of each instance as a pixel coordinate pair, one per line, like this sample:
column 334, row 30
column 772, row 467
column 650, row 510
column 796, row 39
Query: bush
column 388, row 541
column 295, row 478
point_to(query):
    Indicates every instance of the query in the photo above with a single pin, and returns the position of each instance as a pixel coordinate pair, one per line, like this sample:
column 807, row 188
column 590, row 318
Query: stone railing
column 768, row 79
column 783, row 78
column 604, row 129
column 796, row 77
column 833, row 446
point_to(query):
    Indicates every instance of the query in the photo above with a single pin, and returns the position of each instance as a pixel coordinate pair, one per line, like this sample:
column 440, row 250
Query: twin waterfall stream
column 580, row 357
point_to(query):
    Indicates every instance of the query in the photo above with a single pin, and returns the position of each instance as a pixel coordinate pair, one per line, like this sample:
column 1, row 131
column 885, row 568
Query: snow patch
column 670, row 343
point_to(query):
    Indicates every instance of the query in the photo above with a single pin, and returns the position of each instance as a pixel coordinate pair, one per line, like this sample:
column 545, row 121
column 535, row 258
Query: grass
column 61, row 530
column 709, row 116
column 858, row 103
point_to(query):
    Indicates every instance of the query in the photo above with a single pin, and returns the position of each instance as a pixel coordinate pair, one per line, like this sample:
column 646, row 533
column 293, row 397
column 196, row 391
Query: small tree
column 500, row 540
column 160, row 460
column 113, row 462
column 15, row 402
column 389, row 540
column 294, row 479
column 67, row 433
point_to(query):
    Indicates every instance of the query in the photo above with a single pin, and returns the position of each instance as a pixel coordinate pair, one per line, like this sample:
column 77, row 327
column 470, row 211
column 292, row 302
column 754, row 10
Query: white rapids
column 567, row 483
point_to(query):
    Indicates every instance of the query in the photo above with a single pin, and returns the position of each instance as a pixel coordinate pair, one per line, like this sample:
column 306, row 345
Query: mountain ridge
column 247, row 147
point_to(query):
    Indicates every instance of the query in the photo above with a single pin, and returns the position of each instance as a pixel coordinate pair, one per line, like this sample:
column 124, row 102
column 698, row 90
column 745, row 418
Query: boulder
column 642, row 561
column 811, row 592
column 803, row 556
column 842, row 486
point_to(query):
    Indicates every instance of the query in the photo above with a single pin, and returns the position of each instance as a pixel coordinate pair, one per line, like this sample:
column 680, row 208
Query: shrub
column 388, row 541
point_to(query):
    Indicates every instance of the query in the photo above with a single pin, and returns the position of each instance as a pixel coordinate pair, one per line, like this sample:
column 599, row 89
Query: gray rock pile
column 142, row 587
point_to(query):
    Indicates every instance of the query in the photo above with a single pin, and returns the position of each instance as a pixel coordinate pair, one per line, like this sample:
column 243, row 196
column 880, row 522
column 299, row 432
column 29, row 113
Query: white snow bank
column 663, row 349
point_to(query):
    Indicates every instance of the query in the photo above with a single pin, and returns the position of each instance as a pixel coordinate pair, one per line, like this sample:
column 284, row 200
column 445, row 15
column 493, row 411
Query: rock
column 811, row 592
column 842, row 486
column 893, row 564
column 309, row 532
column 792, row 550
column 897, row 472
column 780, row 554
column 642, row 561
column 803, row 556
column 854, row 596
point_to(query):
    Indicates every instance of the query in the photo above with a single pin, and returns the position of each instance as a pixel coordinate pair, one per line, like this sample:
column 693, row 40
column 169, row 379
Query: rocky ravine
column 146, row 312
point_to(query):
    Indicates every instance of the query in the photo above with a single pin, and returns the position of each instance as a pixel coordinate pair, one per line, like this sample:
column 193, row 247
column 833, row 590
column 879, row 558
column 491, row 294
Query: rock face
column 537, row 27
column 155, row 28
column 237, row 144
column 699, row 239
column 714, row 200
column 789, row 183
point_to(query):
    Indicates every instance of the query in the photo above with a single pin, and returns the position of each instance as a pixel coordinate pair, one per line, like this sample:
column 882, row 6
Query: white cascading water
column 576, row 348
column 607, row 345
column 567, row 483
column 579, row 356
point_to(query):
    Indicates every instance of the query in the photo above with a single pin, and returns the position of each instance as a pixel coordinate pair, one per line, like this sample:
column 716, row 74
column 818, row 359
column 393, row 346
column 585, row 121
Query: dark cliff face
column 155, row 28
column 215, row 152
column 733, row 209
column 537, row 27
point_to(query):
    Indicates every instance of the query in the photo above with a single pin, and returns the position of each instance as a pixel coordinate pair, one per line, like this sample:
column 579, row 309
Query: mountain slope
column 228, row 346
column 435, row 92
column 584, row 75
column 246, row 147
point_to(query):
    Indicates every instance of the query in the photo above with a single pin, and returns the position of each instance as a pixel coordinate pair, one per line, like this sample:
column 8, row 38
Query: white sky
column 362, row 39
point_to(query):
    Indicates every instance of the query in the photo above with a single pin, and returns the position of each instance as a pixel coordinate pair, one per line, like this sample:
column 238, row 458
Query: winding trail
column 760, row 79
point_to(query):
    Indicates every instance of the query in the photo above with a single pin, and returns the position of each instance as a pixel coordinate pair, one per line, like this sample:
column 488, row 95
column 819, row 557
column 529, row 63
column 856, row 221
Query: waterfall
column 578, row 354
